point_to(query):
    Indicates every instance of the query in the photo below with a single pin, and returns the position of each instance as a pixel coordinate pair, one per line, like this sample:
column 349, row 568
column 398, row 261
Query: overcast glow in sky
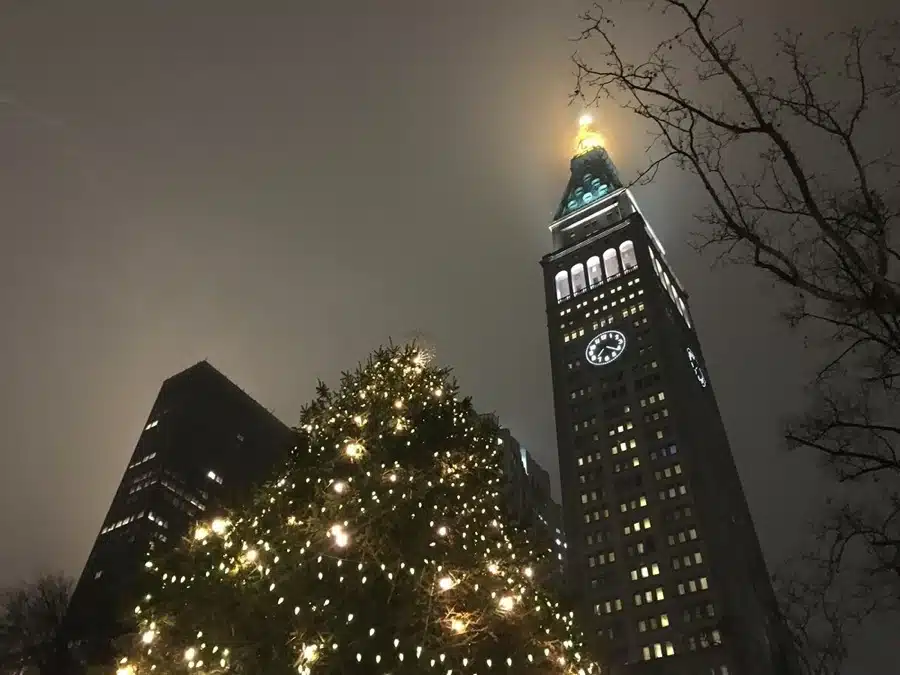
column 282, row 191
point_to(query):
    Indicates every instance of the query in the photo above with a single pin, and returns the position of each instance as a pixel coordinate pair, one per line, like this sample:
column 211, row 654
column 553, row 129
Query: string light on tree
column 431, row 578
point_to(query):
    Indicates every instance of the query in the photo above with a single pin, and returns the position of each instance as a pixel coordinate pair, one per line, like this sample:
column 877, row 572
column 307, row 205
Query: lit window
column 562, row 285
column 660, row 594
column 212, row 475
column 664, row 620
column 657, row 650
column 152, row 517
column 670, row 650
column 629, row 259
column 646, row 652
column 578, row 280
column 610, row 263
column 151, row 425
column 595, row 276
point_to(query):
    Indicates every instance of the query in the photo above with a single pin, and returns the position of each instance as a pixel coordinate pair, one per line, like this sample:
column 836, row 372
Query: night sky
column 283, row 189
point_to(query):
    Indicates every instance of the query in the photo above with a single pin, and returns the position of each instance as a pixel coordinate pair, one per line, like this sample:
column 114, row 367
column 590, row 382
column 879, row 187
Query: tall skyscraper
column 660, row 540
column 204, row 446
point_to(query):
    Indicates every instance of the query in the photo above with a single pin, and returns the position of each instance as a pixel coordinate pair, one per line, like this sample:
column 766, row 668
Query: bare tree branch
column 794, row 190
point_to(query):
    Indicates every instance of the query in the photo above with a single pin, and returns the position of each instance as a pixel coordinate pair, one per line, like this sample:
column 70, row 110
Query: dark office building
column 530, row 501
column 204, row 446
column 660, row 538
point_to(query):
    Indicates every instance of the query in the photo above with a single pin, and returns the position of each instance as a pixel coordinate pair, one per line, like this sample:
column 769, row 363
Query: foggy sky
column 283, row 189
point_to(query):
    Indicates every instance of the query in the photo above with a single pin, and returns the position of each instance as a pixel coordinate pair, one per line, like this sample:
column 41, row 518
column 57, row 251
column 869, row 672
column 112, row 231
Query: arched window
column 578, row 282
column 610, row 263
column 657, row 266
column 665, row 280
column 595, row 273
column 629, row 259
column 562, row 285
column 684, row 313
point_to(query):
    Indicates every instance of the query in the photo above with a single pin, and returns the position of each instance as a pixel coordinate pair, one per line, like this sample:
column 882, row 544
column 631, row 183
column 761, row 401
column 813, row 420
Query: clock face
column 605, row 348
column 695, row 366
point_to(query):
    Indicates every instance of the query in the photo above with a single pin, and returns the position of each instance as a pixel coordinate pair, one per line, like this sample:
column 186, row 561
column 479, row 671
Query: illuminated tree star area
column 384, row 548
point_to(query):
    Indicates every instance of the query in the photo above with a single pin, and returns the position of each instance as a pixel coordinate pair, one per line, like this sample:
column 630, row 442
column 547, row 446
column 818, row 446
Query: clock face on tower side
column 605, row 348
column 695, row 366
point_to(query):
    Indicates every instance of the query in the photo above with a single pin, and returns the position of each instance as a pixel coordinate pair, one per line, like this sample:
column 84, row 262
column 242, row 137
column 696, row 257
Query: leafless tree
column 802, row 186
column 32, row 636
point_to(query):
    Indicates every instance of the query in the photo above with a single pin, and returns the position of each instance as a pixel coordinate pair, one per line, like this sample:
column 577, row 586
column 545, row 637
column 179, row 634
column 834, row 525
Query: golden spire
column 587, row 139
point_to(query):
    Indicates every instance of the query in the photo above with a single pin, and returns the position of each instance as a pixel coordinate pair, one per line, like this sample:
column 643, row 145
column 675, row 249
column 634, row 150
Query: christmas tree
column 382, row 548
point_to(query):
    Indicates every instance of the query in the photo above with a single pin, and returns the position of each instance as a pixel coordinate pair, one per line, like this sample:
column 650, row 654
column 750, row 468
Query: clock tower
column 664, row 559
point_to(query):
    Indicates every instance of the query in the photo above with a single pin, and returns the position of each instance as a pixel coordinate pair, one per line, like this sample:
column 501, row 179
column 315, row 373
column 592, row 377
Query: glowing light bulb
column 340, row 537
column 189, row 654
column 438, row 392
column 148, row 636
column 442, row 531
column 353, row 449
column 251, row 555
column 219, row 525
column 458, row 626
column 339, row 487
column 506, row 603
column 529, row 572
column 446, row 583
column 311, row 652
column 125, row 670
column 201, row 533
column 587, row 139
